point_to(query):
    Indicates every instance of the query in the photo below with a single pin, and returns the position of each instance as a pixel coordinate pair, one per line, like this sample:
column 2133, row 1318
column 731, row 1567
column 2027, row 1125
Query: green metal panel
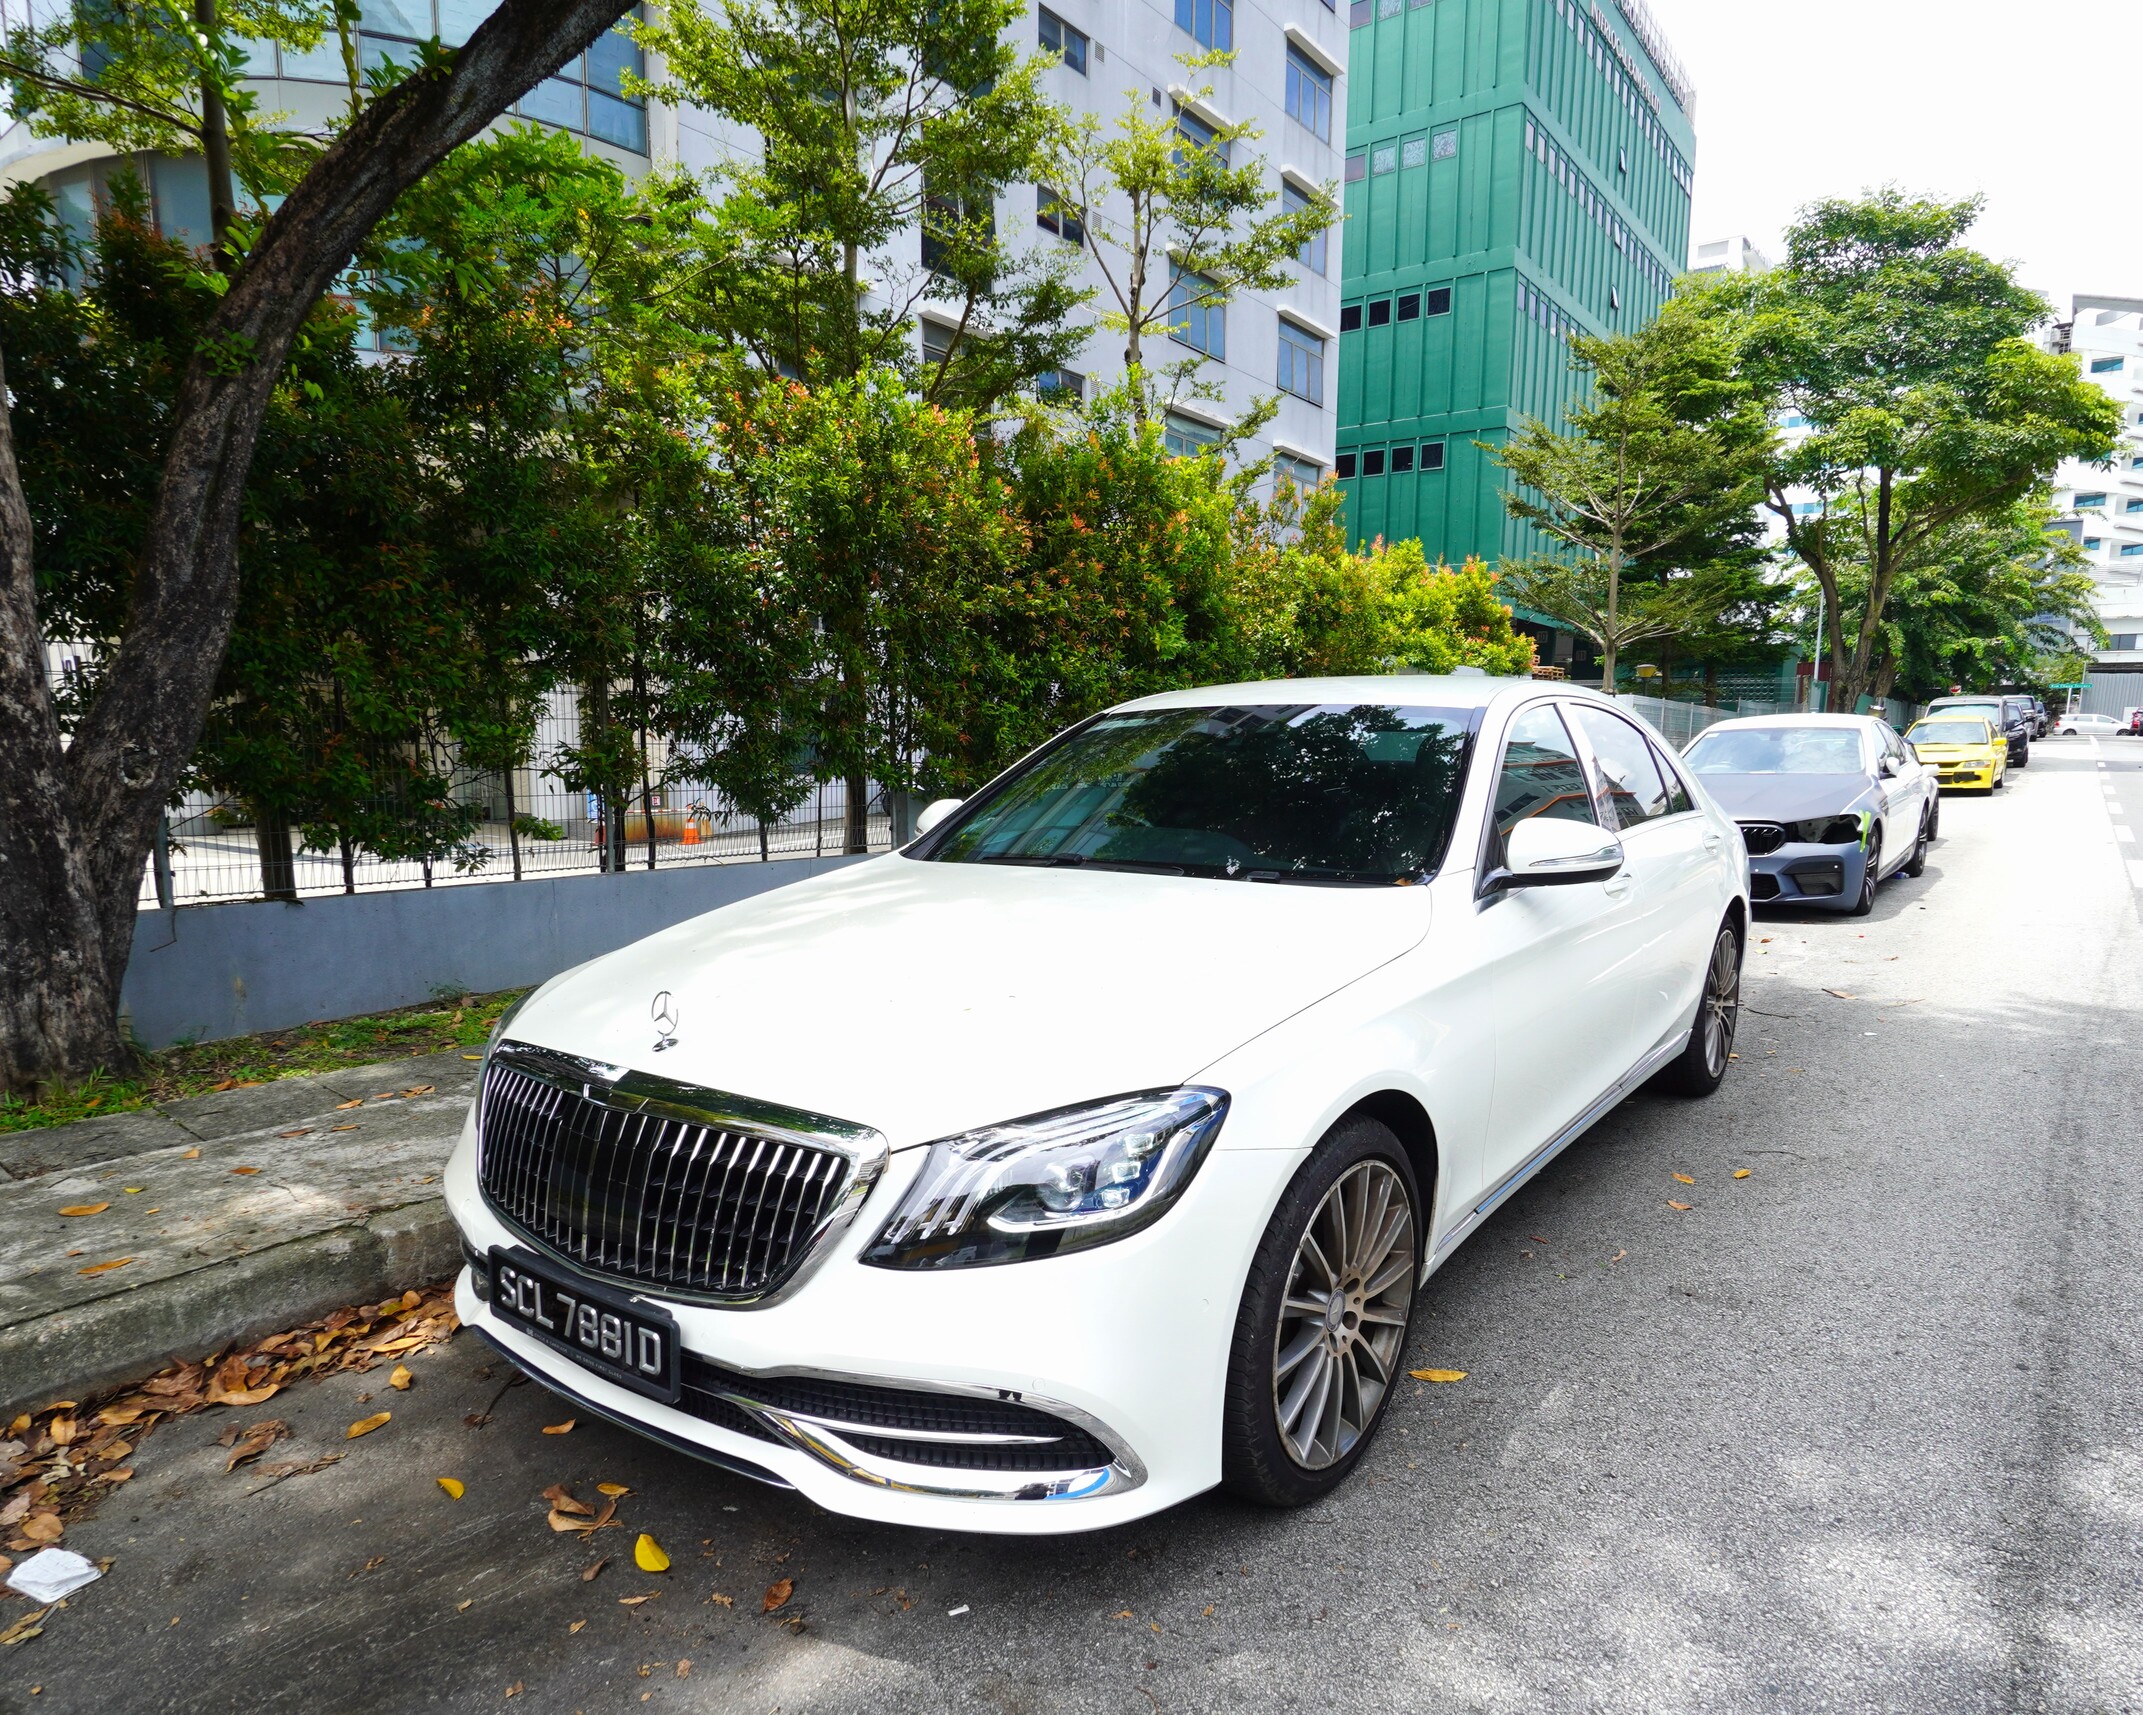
column 1489, row 220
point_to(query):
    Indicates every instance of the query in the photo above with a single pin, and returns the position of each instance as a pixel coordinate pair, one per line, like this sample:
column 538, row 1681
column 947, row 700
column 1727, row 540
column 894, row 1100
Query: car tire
column 1934, row 819
column 2022, row 759
column 1870, row 872
column 1916, row 865
column 1701, row 1066
column 1267, row 1456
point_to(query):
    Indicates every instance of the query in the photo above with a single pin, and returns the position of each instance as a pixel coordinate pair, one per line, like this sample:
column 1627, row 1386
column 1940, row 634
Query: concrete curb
column 88, row 1348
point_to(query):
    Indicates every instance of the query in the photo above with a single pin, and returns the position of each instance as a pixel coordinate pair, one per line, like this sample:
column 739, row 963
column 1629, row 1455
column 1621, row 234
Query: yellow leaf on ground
column 1685, row 1179
column 102, row 1267
column 777, row 1593
column 245, row 1170
column 565, row 1428
column 191, row 1155
column 575, row 1626
column 612, row 1489
column 1437, row 1375
column 353, row 1102
column 85, row 1208
column 1684, row 1207
column 365, row 1425
column 399, row 1378
column 135, row 1190
column 1742, row 1172
column 648, row 1556
column 452, row 1485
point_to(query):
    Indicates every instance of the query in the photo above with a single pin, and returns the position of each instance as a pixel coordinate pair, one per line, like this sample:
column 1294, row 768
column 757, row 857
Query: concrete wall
column 203, row 972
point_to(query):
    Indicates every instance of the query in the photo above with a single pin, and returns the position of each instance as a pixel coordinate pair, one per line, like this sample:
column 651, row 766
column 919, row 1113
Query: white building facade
column 2105, row 504
column 1734, row 255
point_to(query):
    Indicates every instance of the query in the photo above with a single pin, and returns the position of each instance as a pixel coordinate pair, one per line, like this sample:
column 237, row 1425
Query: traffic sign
column 2080, row 685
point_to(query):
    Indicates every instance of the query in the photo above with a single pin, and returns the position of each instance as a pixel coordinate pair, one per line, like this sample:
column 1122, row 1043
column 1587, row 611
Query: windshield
column 1949, row 732
column 1777, row 750
column 1340, row 793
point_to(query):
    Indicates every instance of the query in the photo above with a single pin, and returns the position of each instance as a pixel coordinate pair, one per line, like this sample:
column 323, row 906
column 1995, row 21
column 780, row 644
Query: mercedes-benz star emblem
column 663, row 1011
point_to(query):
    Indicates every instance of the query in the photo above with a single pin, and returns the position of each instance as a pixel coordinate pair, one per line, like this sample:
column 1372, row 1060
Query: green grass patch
column 203, row 1067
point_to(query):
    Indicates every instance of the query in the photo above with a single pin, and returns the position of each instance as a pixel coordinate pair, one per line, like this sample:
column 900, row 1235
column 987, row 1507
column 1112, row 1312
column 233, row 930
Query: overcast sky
column 2034, row 106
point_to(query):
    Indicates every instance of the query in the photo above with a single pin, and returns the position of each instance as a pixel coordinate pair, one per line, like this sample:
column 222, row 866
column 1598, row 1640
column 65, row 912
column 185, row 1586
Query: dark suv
column 2012, row 713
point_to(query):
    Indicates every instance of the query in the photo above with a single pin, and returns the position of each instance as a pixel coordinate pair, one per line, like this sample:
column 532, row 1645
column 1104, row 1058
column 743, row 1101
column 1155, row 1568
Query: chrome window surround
column 628, row 1091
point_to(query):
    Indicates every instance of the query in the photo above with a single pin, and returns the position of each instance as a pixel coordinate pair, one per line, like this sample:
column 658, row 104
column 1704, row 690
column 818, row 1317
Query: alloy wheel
column 1350, row 1290
column 1722, row 1002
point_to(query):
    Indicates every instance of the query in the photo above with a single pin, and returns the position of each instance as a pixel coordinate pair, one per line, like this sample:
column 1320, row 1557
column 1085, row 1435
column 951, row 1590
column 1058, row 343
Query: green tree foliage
column 1653, row 486
column 879, row 119
column 1165, row 197
column 1906, row 352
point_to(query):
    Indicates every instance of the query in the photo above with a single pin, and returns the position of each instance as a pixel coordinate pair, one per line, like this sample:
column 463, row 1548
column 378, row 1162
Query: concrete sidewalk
column 230, row 1215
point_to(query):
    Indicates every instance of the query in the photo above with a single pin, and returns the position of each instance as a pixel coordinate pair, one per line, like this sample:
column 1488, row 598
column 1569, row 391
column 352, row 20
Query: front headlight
column 1849, row 829
column 1052, row 1182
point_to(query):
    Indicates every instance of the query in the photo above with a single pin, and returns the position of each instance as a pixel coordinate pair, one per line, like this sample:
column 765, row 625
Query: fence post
column 161, row 858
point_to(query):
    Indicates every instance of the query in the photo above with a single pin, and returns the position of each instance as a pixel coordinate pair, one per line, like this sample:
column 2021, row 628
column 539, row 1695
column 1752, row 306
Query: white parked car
column 1091, row 1150
column 2087, row 726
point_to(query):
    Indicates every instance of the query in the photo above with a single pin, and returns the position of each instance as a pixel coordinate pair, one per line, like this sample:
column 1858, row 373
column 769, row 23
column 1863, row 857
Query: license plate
column 622, row 1340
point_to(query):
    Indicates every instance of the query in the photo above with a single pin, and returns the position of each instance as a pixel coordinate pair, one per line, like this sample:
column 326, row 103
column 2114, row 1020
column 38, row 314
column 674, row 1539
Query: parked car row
column 2100, row 726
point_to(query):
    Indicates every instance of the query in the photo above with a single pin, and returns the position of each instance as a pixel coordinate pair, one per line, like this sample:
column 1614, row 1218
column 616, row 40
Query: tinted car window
column 1777, row 750
column 1677, row 791
column 1628, row 775
column 1541, row 774
column 1342, row 793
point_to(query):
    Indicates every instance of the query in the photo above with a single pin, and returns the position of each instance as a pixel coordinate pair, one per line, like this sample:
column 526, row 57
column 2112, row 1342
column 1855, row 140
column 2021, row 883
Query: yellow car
column 1963, row 750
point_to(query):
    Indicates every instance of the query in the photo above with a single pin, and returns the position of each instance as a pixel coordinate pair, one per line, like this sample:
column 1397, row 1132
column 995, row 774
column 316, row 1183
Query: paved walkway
column 228, row 1215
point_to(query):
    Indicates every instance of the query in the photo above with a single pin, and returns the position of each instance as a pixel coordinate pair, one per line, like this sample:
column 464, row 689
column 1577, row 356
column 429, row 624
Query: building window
column 2132, row 506
column 1198, row 134
column 1060, row 384
column 1622, row 160
column 1309, row 94
column 1053, row 214
column 1350, row 318
column 1380, row 312
column 1402, row 460
column 1061, row 39
column 2132, row 551
column 1313, row 253
column 1197, row 319
column 1409, row 306
column 1443, row 145
column 2105, row 365
column 1186, row 437
column 1414, row 152
column 1359, row 14
column 1614, row 297
column 1384, row 158
column 1304, row 474
column 2086, row 501
column 1301, row 363
column 1357, row 166
column 1210, row 22
column 2093, row 543
column 2121, row 640
column 938, row 341
column 1343, row 467
column 1437, row 302
column 1432, row 455
column 1373, row 462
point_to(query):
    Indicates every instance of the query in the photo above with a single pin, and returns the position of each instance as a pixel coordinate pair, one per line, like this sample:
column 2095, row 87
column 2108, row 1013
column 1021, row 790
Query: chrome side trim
column 1562, row 1140
column 944, row 1437
column 631, row 1091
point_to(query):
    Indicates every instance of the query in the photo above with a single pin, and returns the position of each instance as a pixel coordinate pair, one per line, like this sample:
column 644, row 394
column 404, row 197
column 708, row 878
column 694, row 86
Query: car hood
column 927, row 998
column 1786, row 797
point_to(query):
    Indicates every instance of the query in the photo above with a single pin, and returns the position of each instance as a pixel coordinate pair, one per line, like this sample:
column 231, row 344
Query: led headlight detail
column 1052, row 1182
column 1846, row 830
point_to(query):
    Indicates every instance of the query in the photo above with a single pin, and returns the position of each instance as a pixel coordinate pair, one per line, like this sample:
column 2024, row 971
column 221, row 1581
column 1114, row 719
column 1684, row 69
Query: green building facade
column 1517, row 170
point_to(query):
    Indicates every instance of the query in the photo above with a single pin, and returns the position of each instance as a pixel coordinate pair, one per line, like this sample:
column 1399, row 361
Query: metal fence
column 513, row 829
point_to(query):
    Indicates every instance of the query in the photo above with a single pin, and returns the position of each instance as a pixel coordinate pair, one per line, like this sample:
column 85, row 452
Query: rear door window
column 1629, row 777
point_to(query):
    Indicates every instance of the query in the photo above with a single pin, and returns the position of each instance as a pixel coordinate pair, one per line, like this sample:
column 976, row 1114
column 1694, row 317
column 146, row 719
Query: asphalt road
column 1857, row 1432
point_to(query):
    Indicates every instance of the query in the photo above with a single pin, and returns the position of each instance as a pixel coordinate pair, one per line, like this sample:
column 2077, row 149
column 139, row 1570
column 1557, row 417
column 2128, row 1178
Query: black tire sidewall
column 1255, row 1466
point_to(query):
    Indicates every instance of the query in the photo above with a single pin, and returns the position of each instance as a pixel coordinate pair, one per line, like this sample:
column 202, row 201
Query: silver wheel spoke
column 1300, row 1347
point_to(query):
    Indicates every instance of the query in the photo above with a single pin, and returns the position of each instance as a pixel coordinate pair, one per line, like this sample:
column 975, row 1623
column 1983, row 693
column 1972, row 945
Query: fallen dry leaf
column 588, row 1577
column 85, row 1208
column 515, row 1689
column 563, row 1500
column 612, row 1489
column 103, row 1267
column 1618, row 1256
column 257, row 1439
column 565, row 1428
column 1121, row 1614
column 1840, row 993
column 635, row 1601
column 351, row 1127
column 684, row 1668
column 722, row 1601
column 1685, row 1179
column 1684, row 1207
column 399, row 1378
column 245, row 1170
column 453, row 1487
column 365, row 1425
column 1743, row 1172
column 353, row 1102
column 1437, row 1375
column 777, row 1593
column 648, row 1556
column 302, row 1131
column 418, row 1090
column 574, row 1627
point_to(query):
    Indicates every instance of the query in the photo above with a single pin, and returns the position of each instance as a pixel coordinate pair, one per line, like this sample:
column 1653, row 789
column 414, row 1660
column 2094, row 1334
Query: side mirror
column 1886, row 767
column 1547, row 851
column 936, row 812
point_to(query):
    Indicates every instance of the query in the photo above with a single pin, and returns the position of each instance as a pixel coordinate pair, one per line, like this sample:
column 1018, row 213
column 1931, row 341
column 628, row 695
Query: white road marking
column 2135, row 872
column 2127, row 836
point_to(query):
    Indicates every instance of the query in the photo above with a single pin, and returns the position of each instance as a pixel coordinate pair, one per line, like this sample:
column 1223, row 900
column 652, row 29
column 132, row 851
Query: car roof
column 1740, row 723
column 1400, row 690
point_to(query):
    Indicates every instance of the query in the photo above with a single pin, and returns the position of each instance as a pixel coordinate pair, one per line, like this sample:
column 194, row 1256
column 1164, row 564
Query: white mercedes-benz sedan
column 1091, row 1150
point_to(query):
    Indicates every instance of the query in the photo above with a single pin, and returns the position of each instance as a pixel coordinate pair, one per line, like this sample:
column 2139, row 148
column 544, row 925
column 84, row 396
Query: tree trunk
column 278, row 868
column 856, row 795
column 513, row 827
column 77, row 819
column 216, row 151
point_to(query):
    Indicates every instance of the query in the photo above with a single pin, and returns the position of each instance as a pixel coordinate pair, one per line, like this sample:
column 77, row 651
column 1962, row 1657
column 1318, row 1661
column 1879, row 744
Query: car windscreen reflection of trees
column 1778, row 750
column 1951, row 732
column 1342, row 793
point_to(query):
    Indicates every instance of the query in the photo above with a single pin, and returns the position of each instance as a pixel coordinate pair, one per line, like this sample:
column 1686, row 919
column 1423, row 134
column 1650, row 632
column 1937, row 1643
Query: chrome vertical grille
column 627, row 1180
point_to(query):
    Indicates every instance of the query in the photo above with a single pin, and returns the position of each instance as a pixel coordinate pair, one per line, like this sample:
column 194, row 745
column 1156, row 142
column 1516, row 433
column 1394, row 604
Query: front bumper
column 1798, row 873
column 1127, row 1342
column 1978, row 772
